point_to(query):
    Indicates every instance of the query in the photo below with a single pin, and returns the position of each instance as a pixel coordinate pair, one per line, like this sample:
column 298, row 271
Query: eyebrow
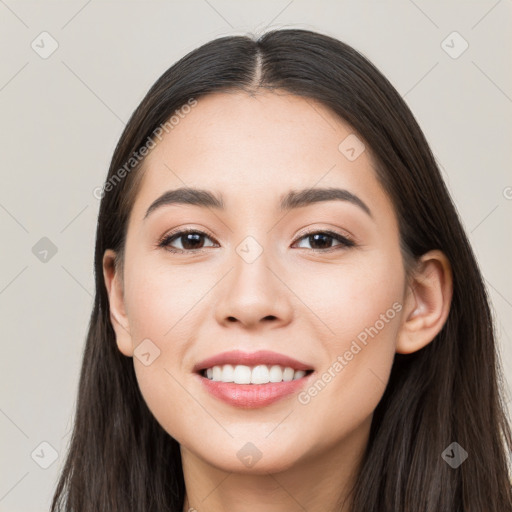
column 293, row 199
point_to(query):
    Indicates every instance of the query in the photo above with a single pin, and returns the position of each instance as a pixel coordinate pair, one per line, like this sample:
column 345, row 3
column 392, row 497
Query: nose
column 254, row 295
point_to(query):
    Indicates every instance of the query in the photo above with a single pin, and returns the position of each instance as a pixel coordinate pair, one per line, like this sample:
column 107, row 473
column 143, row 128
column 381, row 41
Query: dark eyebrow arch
column 299, row 198
column 293, row 199
column 187, row 195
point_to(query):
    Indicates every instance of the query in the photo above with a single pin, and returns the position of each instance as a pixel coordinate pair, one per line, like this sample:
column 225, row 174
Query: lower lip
column 252, row 396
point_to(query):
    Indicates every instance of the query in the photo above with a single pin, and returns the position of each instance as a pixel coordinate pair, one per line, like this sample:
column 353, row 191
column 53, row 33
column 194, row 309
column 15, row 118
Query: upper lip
column 267, row 357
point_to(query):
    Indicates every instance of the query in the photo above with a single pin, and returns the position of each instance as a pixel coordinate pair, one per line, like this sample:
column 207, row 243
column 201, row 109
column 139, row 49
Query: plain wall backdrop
column 72, row 73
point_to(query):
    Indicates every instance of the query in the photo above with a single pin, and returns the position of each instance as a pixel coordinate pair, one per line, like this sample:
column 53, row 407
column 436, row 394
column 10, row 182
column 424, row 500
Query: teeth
column 261, row 374
column 241, row 375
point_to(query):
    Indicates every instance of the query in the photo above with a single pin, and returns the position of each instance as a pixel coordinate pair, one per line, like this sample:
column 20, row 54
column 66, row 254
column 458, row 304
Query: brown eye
column 189, row 240
column 322, row 240
column 193, row 240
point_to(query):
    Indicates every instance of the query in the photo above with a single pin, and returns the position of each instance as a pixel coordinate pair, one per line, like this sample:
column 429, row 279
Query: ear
column 427, row 303
column 118, row 317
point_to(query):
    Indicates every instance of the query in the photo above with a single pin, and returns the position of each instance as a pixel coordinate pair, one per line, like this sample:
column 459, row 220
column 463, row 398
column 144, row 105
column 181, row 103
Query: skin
column 254, row 149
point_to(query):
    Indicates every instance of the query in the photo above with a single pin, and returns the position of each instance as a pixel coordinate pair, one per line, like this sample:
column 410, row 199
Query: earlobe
column 427, row 303
column 118, row 317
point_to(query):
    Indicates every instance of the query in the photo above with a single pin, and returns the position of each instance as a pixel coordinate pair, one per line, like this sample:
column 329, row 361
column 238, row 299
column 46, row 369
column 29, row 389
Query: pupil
column 186, row 245
column 316, row 237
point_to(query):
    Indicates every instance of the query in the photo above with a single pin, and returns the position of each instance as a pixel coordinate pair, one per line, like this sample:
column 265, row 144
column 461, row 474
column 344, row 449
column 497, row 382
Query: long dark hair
column 121, row 459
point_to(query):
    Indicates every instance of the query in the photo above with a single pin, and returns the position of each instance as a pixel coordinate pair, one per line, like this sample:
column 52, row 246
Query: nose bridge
column 252, row 292
column 252, row 278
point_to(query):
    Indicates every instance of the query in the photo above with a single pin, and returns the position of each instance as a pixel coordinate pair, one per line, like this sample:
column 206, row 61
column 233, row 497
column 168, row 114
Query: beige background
column 61, row 117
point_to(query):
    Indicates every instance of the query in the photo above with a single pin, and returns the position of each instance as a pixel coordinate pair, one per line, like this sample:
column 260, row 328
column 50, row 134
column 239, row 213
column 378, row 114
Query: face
column 321, row 282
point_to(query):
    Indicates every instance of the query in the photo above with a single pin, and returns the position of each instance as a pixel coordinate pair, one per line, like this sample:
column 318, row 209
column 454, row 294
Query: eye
column 323, row 239
column 189, row 239
column 193, row 240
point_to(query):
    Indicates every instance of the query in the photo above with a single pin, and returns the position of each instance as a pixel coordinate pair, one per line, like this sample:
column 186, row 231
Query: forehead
column 258, row 147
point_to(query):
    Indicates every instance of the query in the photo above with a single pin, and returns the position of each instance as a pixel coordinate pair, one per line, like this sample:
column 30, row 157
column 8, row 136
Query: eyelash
column 167, row 239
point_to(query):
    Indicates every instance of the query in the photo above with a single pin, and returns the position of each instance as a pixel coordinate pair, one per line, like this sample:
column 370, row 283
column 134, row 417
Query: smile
column 260, row 374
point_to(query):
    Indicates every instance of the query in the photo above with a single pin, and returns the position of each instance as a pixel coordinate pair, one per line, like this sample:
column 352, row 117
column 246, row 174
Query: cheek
column 161, row 301
column 163, row 305
column 360, row 304
column 160, row 306
column 352, row 297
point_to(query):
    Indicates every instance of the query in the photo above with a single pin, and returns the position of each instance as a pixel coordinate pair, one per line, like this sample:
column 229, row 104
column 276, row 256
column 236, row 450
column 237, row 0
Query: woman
column 288, row 313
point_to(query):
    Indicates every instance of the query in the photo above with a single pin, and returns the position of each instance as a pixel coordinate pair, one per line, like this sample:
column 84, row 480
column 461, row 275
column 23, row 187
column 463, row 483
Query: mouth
column 255, row 368
column 252, row 380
